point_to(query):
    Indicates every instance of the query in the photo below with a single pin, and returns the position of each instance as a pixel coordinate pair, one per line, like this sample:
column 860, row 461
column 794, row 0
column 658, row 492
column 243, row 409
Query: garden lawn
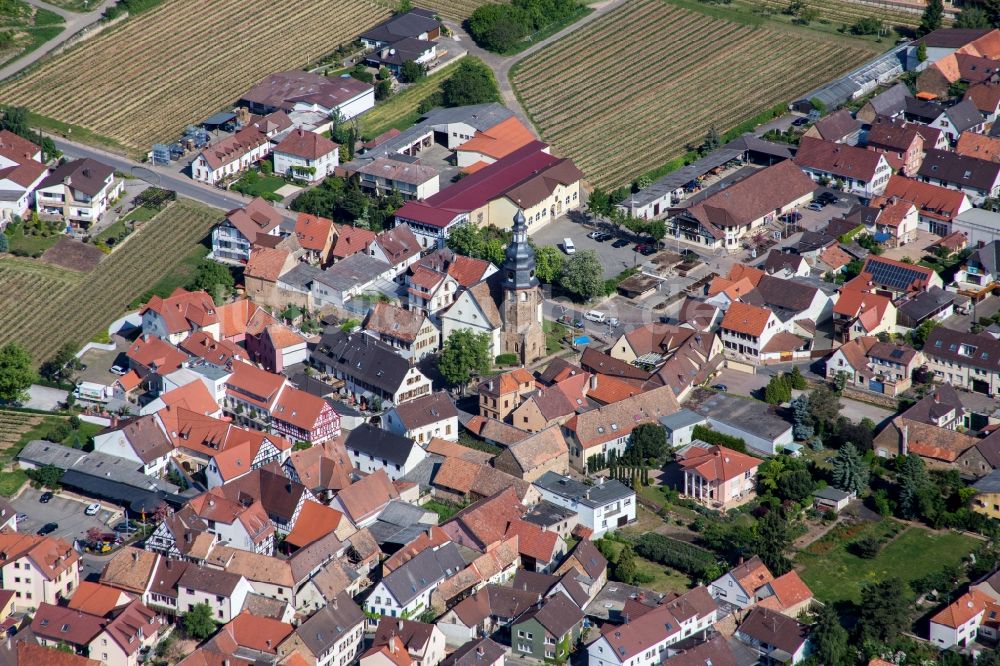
column 400, row 110
column 31, row 245
column 664, row 579
column 554, row 334
column 834, row 574
column 444, row 510
column 258, row 185
column 111, row 232
column 11, row 482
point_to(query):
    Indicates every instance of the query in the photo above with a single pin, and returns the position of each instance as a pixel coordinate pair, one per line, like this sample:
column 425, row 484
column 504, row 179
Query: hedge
column 680, row 555
column 710, row 436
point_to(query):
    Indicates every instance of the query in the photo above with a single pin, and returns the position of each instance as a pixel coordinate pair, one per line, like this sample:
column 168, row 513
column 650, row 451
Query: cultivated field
column 41, row 306
column 845, row 12
column 14, row 424
column 146, row 80
column 620, row 104
column 456, row 10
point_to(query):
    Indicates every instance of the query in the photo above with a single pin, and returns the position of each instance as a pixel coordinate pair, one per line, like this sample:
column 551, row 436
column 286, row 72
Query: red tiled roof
column 307, row 145
column 313, row 231
column 962, row 610
column 156, row 354
column 745, row 318
column 233, row 147
column 716, row 463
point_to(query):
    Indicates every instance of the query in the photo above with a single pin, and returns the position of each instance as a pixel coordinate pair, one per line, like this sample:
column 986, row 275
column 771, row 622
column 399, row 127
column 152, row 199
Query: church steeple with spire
column 522, row 298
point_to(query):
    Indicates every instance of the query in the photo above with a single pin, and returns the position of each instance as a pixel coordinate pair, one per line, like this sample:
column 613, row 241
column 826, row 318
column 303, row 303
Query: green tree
column 214, row 278
column 778, row 390
column 198, row 622
column 824, row 407
column 582, row 275
column 404, row 6
column 47, row 475
column 62, row 365
column 919, row 335
column 465, row 353
column 471, row 83
column 15, row 120
column 850, row 471
column 17, row 373
column 411, row 72
column 797, row 379
column 771, row 540
column 884, row 610
column 383, row 90
column 712, row 141
column 647, row 441
column 466, row 239
column 868, row 26
column 548, row 263
column 625, row 568
column 922, row 56
column 972, row 16
column 802, row 428
column 599, row 203
column 4, row 243
column 932, row 17
column 830, row 638
column 913, row 483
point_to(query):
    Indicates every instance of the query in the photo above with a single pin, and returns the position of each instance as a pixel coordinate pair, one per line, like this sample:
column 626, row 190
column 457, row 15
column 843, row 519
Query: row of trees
column 343, row 201
column 502, row 28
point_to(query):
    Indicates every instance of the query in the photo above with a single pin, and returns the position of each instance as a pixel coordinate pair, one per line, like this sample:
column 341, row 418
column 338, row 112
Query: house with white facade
column 234, row 237
column 370, row 368
column 21, row 171
column 859, row 171
column 372, row 448
column 775, row 637
column 385, row 175
column 231, row 156
column 332, row 636
column 410, row 332
column 475, row 310
column 224, row 592
column 306, row 155
column 37, row 569
column 406, row 591
column 738, row 586
column 142, row 440
column 644, row 640
column 603, row 507
column 717, row 477
column 958, row 624
column 78, row 192
column 430, row 417
column 298, row 92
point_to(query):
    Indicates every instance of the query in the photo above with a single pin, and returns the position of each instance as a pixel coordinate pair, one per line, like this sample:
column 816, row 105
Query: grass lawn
column 663, row 579
column 444, row 510
column 257, row 185
column 79, row 133
column 141, row 214
column 835, row 574
column 554, row 334
column 30, row 31
column 11, row 482
column 400, row 110
column 655, row 494
column 113, row 231
column 32, row 245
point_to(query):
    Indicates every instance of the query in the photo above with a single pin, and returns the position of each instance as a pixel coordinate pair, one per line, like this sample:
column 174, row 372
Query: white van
column 568, row 246
column 596, row 315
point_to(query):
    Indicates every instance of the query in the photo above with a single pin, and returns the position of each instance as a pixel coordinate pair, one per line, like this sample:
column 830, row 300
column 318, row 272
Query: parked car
column 568, row 246
column 721, row 388
column 596, row 315
column 118, row 370
column 92, row 509
column 816, row 206
column 595, row 234
column 21, row 517
column 613, row 322
column 123, row 527
column 799, row 122
column 621, row 242
column 45, row 498
column 603, row 236
column 645, row 250
column 48, row 528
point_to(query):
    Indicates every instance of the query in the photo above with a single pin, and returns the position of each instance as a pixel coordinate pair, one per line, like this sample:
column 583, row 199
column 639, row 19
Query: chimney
column 593, row 382
column 904, row 446
column 392, row 647
column 937, row 398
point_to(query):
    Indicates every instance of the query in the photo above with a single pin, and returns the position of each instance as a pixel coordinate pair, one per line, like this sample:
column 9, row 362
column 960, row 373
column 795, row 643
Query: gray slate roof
column 330, row 623
column 359, row 268
column 681, row 419
column 424, row 571
column 364, row 358
column 965, row 115
column 379, row 443
column 478, row 116
column 592, row 496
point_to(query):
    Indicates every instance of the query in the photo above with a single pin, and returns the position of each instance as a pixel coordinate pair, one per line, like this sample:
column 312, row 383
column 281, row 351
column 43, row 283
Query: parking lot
column 65, row 510
column 614, row 259
column 99, row 362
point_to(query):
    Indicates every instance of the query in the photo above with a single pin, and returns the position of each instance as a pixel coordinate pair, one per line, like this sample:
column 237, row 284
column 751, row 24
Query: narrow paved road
column 75, row 23
column 160, row 177
column 501, row 65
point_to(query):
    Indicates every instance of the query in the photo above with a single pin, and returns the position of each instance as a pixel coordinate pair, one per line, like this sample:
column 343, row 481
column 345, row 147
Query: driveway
column 742, row 383
column 45, row 398
column 64, row 509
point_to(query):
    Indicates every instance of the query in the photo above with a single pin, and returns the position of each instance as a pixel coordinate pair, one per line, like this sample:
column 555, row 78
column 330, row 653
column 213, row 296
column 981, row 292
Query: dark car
column 123, row 527
column 721, row 388
column 48, row 528
column 621, row 242
column 46, row 496
column 793, row 216
column 645, row 250
column 799, row 122
column 603, row 236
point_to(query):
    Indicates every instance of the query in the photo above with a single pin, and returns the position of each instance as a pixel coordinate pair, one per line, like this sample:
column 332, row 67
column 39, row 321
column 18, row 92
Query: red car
column 645, row 250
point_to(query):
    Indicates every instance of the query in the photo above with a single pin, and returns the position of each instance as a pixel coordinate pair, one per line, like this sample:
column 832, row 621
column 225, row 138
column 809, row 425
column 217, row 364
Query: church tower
column 522, row 299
